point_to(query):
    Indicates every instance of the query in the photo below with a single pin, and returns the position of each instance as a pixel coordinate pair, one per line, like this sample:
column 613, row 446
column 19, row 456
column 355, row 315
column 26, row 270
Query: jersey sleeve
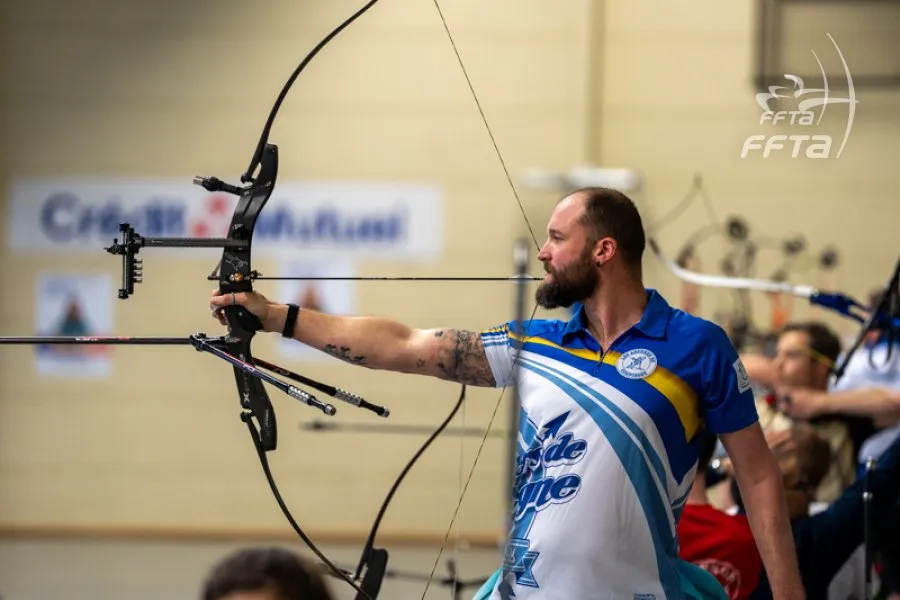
column 727, row 399
column 499, row 352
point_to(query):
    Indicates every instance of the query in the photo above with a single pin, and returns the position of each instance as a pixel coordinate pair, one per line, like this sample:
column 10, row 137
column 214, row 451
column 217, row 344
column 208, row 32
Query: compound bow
column 235, row 274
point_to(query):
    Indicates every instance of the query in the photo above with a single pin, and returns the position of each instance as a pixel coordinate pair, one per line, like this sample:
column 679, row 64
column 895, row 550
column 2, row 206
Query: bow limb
column 267, row 128
column 742, row 283
column 235, row 274
column 884, row 317
column 841, row 303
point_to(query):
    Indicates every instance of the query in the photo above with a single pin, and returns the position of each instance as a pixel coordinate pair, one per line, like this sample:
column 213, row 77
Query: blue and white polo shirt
column 608, row 448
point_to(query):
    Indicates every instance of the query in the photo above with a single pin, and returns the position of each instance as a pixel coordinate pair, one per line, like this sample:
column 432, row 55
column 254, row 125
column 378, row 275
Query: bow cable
column 264, row 138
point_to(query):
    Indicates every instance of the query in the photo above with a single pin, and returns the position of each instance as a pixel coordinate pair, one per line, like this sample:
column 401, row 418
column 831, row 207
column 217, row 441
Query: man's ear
column 604, row 250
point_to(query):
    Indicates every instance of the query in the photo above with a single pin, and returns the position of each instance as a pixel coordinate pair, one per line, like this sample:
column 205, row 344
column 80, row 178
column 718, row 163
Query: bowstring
column 487, row 127
column 537, row 246
column 481, row 445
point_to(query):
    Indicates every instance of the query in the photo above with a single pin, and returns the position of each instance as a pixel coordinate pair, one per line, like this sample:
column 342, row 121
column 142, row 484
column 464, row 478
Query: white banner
column 347, row 220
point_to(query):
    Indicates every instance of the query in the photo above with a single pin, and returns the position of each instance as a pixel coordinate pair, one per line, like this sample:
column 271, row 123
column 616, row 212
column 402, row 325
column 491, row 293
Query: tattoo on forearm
column 462, row 358
column 343, row 353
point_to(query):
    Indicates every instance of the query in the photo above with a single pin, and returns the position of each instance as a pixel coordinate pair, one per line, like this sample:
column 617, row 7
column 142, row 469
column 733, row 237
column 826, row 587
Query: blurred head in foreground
column 264, row 574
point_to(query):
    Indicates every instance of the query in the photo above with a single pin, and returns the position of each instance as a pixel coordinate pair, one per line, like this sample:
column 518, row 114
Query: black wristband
column 293, row 311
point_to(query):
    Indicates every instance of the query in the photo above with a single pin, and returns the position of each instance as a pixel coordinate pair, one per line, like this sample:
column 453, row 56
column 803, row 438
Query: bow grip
column 244, row 319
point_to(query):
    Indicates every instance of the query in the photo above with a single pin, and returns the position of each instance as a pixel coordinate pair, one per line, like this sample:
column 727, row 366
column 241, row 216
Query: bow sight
column 235, row 276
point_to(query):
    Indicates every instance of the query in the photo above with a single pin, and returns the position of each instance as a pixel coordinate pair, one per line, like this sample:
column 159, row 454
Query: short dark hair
column 611, row 213
column 254, row 569
column 821, row 338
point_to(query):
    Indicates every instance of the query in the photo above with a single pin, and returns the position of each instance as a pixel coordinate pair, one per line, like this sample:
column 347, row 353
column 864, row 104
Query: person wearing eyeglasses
column 869, row 388
column 805, row 356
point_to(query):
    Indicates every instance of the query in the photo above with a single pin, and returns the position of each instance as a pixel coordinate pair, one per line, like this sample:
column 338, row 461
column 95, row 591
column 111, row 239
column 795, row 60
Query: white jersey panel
column 583, row 493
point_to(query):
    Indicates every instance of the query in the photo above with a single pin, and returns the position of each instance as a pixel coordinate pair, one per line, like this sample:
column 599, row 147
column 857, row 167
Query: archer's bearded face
column 568, row 284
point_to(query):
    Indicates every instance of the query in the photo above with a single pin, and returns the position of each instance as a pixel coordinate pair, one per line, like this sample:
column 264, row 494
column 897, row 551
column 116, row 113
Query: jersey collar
column 653, row 323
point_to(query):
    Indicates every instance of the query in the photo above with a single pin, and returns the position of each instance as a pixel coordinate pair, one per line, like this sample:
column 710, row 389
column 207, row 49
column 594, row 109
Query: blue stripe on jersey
column 646, row 446
column 681, row 454
column 630, row 456
column 493, row 334
column 682, row 498
column 527, row 430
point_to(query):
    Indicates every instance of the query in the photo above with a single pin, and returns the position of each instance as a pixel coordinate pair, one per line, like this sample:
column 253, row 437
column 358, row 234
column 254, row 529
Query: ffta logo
column 812, row 145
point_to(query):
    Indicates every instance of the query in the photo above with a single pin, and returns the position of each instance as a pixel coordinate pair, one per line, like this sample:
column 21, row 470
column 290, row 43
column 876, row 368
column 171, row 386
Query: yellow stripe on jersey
column 579, row 352
column 500, row 329
column 679, row 394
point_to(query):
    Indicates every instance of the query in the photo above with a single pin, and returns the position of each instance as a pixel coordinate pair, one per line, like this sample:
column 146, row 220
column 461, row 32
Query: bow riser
column 235, row 276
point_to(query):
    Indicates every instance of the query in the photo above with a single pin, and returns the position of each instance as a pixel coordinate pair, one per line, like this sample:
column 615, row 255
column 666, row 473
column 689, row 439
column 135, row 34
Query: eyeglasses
column 808, row 352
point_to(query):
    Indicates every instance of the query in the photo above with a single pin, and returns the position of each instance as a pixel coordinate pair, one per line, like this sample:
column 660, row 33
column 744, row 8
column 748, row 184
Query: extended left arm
column 762, row 491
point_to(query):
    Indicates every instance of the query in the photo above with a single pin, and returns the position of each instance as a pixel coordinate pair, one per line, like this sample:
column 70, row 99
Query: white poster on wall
column 73, row 305
column 335, row 297
column 397, row 221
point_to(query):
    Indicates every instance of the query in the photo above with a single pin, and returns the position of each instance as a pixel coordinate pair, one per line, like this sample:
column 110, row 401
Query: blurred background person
column 829, row 537
column 264, row 573
column 805, row 355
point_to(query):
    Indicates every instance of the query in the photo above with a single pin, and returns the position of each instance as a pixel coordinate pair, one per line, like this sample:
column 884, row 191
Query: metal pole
column 521, row 258
column 867, row 520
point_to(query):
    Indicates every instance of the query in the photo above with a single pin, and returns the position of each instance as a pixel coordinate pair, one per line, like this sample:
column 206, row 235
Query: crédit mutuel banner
column 349, row 220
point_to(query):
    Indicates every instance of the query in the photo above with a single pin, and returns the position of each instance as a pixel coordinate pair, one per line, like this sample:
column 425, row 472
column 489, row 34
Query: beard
column 573, row 283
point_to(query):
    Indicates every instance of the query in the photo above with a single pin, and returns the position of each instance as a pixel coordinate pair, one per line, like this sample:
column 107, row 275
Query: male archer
column 612, row 400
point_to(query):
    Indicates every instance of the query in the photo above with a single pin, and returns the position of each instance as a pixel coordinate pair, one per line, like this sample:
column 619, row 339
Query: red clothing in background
column 723, row 545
